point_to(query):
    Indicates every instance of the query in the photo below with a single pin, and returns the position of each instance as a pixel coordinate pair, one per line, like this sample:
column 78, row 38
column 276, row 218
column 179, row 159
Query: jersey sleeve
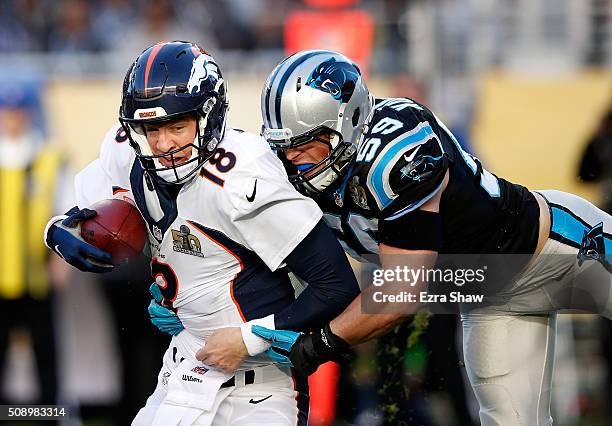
column 64, row 195
column 92, row 184
column 409, row 169
column 95, row 182
column 417, row 176
column 271, row 217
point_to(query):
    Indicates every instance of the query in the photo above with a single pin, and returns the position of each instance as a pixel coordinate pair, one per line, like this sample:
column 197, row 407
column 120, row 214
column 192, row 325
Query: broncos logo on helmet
column 336, row 78
column 203, row 67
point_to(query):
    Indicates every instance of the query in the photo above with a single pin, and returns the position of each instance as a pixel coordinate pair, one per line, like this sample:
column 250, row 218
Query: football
column 118, row 229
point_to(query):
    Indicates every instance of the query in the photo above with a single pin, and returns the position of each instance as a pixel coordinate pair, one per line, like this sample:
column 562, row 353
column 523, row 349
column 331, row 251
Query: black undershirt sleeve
column 320, row 261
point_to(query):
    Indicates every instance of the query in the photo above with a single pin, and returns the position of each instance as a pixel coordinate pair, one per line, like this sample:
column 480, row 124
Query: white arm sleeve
column 64, row 195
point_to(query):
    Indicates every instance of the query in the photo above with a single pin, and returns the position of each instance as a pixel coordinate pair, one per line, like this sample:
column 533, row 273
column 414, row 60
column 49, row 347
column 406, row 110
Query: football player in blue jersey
column 393, row 180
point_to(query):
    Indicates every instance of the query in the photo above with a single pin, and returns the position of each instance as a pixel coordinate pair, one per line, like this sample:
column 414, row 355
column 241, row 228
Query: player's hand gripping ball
column 117, row 228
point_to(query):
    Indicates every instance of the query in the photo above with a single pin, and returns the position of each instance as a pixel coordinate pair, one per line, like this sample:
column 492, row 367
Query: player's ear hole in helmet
column 167, row 82
column 311, row 93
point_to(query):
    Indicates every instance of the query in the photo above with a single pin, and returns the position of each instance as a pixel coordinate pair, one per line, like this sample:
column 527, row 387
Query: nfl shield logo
column 157, row 233
column 199, row 370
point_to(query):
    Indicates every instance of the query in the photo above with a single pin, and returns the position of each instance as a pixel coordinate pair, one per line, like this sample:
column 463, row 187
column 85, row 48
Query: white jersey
column 217, row 242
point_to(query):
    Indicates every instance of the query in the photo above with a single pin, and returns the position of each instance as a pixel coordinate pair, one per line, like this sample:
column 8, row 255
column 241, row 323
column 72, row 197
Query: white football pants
column 269, row 395
column 509, row 350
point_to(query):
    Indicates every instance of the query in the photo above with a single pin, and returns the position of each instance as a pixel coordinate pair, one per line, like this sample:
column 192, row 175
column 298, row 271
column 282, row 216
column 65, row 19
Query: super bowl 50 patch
column 185, row 242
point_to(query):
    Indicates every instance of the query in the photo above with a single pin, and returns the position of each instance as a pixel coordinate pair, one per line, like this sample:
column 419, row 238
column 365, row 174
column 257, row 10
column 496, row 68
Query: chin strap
column 338, row 195
column 149, row 181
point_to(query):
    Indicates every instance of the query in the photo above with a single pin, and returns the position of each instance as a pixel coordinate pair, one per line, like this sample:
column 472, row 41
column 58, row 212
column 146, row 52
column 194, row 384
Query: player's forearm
column 355, row 327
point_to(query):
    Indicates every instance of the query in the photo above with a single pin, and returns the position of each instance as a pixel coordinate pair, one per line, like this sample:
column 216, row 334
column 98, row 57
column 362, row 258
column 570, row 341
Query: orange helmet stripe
column 150, row 60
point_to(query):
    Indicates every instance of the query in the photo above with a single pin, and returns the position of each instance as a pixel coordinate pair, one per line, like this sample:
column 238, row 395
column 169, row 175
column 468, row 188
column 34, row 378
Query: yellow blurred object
column 80, row 115
column 26, row 194
column 12, row 190
column 41, row 206
column 532, row 130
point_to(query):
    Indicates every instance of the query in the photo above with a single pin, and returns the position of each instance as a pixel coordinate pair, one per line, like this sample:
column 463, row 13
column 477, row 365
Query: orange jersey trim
column 236, row 257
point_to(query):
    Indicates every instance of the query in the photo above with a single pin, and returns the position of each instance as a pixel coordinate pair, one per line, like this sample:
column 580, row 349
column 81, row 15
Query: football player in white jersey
column 224, row 224
column 393, row 180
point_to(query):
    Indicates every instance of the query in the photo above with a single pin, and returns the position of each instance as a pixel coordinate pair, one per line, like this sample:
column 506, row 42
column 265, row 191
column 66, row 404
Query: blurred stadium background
column 522, row 83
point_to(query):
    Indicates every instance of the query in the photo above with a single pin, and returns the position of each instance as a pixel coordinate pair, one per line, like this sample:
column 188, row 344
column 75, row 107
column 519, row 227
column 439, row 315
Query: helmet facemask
column 202, row 148
column 313, row 178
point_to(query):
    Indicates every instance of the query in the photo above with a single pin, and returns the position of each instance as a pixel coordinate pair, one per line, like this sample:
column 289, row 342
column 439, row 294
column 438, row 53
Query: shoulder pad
column 391, row 119
column 408, row 112
column 243, row 143
column 398, row 104
column 408, row 169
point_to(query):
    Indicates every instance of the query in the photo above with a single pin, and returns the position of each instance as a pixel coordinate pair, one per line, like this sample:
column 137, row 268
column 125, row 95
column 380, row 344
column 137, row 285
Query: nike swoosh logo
column 57, row 250
column 410, row 157
column 252, row 401
column 252, row 197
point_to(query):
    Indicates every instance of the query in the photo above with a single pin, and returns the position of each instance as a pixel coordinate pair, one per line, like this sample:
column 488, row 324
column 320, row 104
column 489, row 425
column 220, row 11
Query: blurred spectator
column 595, row 165
column 392, row 35
column 72, row 30
column 93, row 26
column 606, row 346
column 22, row 26
column 269, row 22
column 30, row 173
column 232, row 18
column 156, row 22
column 111, row 20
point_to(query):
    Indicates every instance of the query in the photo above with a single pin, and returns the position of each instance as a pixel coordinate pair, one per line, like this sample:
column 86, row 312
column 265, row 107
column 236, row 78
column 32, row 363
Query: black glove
column 312, row 350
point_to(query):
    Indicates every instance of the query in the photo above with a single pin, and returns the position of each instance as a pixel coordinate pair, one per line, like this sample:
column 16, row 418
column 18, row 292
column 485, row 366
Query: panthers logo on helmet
column 336, row 78
column 203, row 67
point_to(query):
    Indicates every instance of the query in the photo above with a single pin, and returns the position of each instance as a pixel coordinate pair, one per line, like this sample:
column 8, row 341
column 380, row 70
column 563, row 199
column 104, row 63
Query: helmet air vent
column 355, row 118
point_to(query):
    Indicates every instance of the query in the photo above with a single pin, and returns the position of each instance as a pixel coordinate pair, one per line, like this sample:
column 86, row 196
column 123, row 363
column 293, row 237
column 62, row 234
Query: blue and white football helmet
column 167, row 81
